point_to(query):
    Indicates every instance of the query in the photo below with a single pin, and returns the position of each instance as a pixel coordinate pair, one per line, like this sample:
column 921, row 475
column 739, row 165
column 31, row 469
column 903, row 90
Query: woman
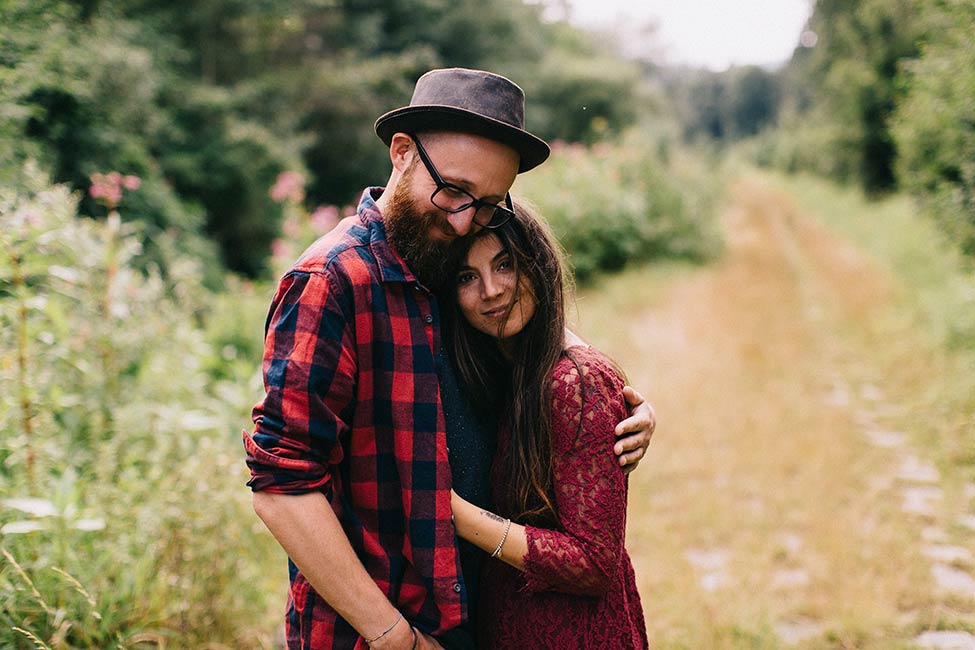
column 564, row 579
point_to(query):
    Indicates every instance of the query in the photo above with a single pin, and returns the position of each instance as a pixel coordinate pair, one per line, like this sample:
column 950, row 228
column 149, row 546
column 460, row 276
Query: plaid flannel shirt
column 353, row 410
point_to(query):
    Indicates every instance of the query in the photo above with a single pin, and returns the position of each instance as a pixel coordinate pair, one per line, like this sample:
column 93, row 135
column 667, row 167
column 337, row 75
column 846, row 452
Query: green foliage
column 726, row 106
column 611, row 206
column 848, row 85
column 935, row 124
column 582, row 98
column 885, row 98
column 207, row 101
column 120, row 472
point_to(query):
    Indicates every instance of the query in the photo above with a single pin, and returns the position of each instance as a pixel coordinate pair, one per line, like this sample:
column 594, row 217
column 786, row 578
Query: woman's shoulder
column 584, row 369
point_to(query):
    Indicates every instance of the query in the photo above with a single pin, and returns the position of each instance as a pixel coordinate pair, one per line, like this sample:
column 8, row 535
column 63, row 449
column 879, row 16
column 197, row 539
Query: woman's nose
column 491, row 287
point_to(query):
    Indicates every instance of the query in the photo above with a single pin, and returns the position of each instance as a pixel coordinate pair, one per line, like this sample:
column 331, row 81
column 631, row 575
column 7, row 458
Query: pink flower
column 280, row 249
column 324, row 218
column 107, row 188
column 290, row 228
column 290, row 186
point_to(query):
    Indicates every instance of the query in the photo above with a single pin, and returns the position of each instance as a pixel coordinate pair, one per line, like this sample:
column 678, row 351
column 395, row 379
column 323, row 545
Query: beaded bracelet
column 507, row 527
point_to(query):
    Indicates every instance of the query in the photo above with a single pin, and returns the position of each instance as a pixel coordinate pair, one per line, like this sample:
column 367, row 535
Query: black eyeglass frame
column 500, row 214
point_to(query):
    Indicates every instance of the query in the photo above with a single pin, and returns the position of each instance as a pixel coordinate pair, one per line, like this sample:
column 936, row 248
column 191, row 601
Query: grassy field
column 812, row 481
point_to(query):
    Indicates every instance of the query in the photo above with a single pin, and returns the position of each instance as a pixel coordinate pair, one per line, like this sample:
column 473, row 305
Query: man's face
column 421, row 232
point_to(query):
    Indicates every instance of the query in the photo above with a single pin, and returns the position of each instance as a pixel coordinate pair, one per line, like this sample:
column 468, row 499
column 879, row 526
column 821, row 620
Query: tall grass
column 124, row 519
column 936, row 303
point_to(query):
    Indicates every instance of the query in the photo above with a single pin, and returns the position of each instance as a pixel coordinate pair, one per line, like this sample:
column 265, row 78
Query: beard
column 408, row 231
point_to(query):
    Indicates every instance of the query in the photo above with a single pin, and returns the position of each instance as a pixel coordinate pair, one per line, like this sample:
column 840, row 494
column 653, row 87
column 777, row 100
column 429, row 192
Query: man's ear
column 401, row 151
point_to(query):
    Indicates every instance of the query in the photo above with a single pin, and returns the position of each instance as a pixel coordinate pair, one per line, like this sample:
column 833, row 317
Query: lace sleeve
column 590, row 488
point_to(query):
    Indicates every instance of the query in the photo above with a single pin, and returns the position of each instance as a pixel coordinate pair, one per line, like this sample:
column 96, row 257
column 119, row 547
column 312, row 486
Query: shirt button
column 457, row 587
column 428, row 318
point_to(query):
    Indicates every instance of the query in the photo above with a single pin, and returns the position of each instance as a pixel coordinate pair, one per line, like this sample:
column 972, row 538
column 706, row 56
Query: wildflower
column 280, row 249
column 290, row 186
column 324, row 218
column 291, row 228
column 107, row 188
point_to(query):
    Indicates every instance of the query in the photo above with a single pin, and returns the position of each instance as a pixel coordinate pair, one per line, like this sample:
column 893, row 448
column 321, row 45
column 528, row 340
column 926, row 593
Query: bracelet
column 507, row 527
column 387, row 631
column 413, row 630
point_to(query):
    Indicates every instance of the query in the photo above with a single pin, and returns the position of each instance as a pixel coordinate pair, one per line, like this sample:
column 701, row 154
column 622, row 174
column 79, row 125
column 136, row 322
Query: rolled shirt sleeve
column 309, row 379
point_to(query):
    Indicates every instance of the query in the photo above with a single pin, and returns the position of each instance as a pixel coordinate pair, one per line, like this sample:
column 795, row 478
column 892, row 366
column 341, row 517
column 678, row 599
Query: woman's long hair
column 513, row 377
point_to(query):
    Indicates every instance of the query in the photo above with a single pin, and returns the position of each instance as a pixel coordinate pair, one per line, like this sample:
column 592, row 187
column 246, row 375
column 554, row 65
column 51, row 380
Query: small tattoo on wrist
column 491, row 515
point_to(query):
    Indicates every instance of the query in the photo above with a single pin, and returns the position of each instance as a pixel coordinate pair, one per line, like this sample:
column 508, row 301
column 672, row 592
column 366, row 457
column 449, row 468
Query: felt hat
column 468, row 101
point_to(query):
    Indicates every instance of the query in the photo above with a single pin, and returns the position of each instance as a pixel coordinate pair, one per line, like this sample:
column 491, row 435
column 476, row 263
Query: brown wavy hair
column 513, row 377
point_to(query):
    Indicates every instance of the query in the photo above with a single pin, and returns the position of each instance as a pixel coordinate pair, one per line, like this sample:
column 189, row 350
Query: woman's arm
column 485, row 530
column 590, row 491
column 634, row 433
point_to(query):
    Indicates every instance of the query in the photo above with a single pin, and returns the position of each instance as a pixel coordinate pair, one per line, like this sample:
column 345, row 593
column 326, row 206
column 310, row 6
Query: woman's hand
column 634, row 433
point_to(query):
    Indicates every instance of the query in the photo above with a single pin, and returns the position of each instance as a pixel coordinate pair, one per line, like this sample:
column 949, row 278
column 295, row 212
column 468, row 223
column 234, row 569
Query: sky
column 707, row 33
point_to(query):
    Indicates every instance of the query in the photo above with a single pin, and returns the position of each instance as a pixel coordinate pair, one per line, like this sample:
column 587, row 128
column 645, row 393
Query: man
column 349, row 456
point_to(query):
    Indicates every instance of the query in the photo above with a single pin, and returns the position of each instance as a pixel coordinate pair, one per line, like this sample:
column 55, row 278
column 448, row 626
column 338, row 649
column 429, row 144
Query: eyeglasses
column 450, row 198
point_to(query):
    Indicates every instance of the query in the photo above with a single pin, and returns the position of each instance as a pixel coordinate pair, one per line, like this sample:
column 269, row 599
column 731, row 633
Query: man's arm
column 296, row 441
column 634, row 433
column 308, row 530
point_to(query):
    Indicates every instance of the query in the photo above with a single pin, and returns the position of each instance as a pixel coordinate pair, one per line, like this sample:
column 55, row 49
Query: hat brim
column 411, row 119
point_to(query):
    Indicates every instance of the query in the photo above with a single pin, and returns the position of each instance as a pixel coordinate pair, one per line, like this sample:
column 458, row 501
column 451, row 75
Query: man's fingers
column 632, row 396
column 629, row 462
column 630, row 443
column 632, row 456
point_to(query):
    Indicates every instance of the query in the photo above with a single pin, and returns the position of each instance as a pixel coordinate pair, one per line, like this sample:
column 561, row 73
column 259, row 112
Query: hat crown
column 477, row 91
column 467, row 101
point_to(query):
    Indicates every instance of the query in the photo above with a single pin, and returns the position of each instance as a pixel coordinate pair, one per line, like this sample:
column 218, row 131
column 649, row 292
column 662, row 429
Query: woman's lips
column 496, row 313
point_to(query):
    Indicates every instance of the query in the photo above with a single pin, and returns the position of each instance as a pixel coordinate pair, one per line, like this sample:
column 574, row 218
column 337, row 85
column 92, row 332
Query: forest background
column 162, row 162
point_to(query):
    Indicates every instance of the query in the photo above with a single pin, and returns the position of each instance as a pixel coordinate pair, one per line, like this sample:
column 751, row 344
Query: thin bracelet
column 507, row 527
column 413, row 630
column 386, row 631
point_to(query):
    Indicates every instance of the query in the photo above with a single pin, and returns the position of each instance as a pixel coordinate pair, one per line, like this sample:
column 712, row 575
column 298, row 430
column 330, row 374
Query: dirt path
column 786, row 502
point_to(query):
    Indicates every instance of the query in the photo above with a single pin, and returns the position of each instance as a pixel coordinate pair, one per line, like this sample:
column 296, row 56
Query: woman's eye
column 504, row 264
column 464, row 278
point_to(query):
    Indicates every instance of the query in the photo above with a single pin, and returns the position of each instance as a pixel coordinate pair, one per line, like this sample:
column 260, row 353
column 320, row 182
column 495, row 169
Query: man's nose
column 461, row 221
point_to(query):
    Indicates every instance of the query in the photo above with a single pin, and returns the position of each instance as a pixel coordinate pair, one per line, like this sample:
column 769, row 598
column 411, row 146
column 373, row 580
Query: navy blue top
column 471, row 440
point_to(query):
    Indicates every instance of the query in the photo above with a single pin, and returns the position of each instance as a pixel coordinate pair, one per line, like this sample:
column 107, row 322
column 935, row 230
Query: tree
column 934, row 127
column 853, row 73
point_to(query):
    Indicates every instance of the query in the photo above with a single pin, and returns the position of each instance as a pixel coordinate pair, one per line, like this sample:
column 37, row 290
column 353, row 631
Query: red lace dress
column 578, row 589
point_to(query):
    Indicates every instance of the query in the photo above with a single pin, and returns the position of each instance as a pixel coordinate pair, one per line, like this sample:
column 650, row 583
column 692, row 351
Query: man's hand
column 402, row 637
column 633, row 434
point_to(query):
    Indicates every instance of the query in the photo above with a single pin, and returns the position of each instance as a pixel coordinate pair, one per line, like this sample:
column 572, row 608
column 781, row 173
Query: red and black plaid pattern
column 353, row 410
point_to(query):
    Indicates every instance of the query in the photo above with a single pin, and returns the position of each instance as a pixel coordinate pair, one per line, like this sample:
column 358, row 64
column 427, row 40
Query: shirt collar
column 392, row 268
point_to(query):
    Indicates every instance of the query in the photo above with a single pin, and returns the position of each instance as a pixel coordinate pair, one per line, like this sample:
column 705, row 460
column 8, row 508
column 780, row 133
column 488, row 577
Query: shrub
column 935, row 125
column 125, row 515
column 611, row 205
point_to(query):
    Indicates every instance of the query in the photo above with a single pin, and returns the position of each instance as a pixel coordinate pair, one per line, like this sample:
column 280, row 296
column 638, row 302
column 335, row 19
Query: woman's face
column 487, row 291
